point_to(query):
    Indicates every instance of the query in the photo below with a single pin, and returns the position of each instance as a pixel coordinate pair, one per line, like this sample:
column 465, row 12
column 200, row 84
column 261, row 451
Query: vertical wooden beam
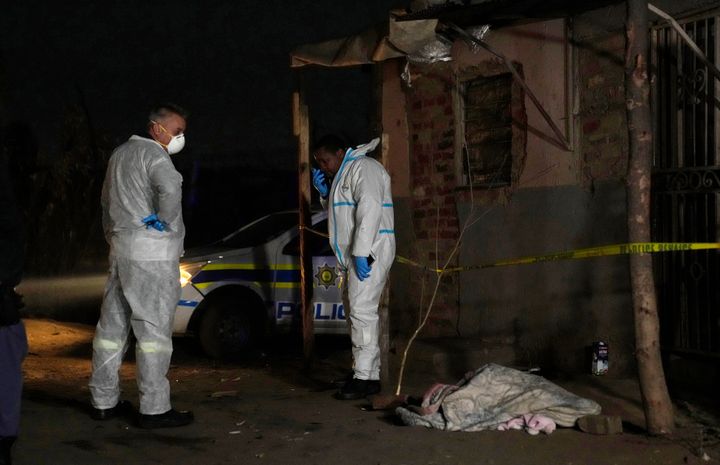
column 296, row 113
column 301, row 128
column 376, row 120
column 458, row 103
column 384, row 307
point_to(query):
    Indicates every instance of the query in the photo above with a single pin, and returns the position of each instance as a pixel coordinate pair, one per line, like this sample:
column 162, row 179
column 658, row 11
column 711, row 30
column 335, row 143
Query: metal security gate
column 686, row 187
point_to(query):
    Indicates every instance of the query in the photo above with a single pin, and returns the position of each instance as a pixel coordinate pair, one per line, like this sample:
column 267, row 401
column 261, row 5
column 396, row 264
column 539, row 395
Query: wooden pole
column 656, row 399
column 296, row 114
column 384, row 307
column 301, row 128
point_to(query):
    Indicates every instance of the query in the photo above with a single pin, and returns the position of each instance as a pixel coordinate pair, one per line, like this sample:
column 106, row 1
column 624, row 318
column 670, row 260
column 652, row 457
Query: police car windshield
column 261, row 231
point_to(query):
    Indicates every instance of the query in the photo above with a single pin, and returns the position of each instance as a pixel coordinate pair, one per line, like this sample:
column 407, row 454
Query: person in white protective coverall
column 142, row 221
column 360, row 223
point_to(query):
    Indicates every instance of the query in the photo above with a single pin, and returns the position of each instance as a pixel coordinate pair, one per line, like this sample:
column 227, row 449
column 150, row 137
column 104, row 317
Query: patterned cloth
column 532, row 424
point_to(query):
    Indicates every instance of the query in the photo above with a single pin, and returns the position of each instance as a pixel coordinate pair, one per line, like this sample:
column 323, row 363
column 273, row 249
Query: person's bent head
column 329, row 152
column 166, row 125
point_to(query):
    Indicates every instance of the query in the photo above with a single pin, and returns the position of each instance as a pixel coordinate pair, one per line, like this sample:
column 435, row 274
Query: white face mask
column 176, row 144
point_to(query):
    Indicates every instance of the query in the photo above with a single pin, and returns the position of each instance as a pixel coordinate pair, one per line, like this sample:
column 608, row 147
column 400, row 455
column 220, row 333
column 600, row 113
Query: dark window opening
column 488, row 131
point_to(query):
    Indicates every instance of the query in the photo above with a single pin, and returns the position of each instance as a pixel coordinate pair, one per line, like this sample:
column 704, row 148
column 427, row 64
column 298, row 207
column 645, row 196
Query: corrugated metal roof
column 504, row 12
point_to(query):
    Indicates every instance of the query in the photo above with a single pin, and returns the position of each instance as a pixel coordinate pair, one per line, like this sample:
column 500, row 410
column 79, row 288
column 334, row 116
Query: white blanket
column 493, row 395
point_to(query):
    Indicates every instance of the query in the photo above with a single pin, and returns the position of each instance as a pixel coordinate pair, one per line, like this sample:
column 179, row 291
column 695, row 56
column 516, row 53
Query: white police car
column 248, row 284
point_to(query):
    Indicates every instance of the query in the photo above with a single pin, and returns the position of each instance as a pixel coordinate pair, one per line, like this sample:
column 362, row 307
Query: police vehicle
column 247, row 284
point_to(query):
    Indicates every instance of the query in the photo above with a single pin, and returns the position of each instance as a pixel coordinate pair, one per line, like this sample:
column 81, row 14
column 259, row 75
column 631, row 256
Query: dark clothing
column 11, row 230
column 13, row 348
column 10, row 305
column 13, row 341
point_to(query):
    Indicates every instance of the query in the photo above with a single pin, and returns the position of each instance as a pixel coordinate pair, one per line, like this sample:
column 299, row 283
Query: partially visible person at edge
column 142, row 221
column 360, row 223
column 13, row 341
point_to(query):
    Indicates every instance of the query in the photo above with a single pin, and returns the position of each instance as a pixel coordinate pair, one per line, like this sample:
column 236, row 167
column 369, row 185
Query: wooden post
column 384, row 307
column 656, row 400
column 301, row 128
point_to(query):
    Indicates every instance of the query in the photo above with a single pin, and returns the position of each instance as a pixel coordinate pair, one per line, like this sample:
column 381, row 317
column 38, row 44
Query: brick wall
column 433, row 198
column 531, row 307
column 604, row 139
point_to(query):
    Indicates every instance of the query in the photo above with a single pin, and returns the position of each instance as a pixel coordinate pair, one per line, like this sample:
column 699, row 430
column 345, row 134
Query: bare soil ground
column 265, row 410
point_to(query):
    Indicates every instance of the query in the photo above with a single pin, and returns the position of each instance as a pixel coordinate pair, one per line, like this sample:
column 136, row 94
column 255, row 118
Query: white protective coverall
column 360, row 223
column 143, row 285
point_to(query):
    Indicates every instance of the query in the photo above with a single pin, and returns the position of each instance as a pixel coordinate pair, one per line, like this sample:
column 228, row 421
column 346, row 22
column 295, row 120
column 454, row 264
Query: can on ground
column 599, row 358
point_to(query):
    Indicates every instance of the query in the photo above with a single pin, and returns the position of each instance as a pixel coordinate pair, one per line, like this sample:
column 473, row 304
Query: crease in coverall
column 143, row 285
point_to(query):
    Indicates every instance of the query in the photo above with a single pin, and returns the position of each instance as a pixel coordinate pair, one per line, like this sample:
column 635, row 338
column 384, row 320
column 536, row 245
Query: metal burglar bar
column 488, row 130
column 686, row 186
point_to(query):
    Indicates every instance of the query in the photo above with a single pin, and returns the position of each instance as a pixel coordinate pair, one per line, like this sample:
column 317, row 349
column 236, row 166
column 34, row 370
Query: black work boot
column 123, row 408
column 6, row 443
column 342, row 381
column 169, row 419
column 358, row 389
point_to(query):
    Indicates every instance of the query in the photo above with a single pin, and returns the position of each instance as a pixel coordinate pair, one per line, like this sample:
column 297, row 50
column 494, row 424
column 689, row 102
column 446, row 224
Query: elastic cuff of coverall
column 155, row 411
column 361, row 250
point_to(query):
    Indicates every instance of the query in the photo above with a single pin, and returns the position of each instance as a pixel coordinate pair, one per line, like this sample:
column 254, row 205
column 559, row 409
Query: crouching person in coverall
column 13, row 341
column 360, row 223
column 142, row 221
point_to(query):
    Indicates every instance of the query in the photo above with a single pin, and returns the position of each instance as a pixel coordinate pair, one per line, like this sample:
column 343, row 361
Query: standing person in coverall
column 142, row 221
column 13, row 341
column 360, row 223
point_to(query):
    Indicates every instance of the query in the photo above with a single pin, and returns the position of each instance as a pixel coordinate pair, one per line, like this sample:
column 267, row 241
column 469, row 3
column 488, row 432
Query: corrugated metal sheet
column 505, row 12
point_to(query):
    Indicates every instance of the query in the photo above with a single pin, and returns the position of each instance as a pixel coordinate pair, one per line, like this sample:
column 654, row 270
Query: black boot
column 5, row 447
column 358, row 389
column 342, row 381
column 170, row 419
column 123, row 408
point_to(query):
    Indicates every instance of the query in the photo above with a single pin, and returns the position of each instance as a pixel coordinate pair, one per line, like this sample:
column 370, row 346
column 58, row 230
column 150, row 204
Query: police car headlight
column 188, row 271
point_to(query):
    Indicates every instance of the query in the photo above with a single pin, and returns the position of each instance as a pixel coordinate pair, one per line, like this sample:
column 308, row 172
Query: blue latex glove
column 152, row 221
column 320, row 183
column 362, row 268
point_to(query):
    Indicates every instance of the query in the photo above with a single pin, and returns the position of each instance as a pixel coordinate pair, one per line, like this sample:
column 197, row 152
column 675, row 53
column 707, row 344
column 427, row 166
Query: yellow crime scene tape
column 602, row 251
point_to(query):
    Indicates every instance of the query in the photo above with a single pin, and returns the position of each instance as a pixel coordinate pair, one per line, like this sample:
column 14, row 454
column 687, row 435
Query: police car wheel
column 228, row 331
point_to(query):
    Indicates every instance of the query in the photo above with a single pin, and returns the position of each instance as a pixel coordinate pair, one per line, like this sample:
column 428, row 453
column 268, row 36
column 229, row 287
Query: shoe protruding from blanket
column 358, row 389
column 600, row 424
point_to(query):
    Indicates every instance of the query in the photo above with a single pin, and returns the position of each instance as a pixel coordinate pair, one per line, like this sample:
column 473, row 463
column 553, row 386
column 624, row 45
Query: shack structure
column 536, row 164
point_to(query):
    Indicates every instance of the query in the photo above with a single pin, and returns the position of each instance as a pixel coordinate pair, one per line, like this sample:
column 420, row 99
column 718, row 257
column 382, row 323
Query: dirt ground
column 265, row 411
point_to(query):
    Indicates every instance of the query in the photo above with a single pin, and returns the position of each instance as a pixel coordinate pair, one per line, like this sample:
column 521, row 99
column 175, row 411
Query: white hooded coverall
column 360, row 223
column 143, row 285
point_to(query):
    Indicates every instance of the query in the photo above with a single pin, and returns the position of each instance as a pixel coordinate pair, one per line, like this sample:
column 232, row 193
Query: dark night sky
column 225, row 61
